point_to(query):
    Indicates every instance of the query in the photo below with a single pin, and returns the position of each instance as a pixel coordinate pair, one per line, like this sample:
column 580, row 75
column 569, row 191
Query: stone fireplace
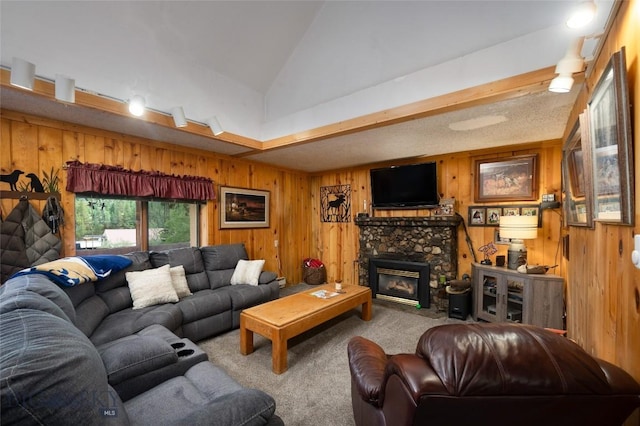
column 417, row 240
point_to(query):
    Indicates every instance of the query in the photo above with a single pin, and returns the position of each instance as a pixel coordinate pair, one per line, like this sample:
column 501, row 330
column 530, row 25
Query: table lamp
column 518, row 228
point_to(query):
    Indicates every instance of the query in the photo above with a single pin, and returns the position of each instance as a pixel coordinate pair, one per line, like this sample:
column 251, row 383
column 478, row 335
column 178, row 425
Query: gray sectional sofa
column 83, row 355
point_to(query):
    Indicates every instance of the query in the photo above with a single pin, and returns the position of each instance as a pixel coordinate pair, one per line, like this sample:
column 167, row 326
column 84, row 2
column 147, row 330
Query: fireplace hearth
column 400, row 281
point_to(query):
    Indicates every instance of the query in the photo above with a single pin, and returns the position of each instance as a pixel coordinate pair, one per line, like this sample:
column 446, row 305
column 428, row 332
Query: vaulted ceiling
column 308, row 85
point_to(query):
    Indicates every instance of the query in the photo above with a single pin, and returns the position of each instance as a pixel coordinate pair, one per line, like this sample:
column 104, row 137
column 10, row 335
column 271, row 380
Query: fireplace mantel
column 409, row 221
column 432, row 240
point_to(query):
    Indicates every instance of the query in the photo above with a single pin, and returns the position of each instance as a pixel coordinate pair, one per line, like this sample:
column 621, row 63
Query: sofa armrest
column 367, row 362
column 135, row 355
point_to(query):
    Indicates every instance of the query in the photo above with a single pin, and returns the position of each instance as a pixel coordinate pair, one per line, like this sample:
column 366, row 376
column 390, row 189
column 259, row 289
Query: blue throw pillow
column 72, row 271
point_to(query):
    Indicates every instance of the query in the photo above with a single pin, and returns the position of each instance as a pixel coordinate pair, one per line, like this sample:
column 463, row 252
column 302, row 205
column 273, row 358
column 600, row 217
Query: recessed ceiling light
column 477, row 123
column 582, row 15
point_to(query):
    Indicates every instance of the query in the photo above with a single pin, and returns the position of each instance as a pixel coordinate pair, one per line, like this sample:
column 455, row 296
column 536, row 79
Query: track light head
column 23, row 73
column 561, row 84
column 178, row 116
column 65, row 89
column 215, row 126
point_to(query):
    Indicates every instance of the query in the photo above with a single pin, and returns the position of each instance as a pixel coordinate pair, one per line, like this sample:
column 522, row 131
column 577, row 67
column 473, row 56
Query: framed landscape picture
column 506, row 179
column 243, row 208
column 611, row 144
column 576, row 179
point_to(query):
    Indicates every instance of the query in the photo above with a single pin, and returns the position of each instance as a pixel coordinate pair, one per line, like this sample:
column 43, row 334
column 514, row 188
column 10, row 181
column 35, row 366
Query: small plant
column 23, row 186
column 51, row 181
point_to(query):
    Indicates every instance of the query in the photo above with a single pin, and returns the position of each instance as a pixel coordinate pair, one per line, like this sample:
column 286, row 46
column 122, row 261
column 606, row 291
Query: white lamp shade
column 136, row 105
column 65, row 89
column 216, row 128
column 179, row 118
column 561, row 84
column 23, row 73
column 519, row 227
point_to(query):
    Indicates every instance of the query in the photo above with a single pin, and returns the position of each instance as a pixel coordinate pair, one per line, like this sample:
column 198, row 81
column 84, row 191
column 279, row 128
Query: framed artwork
column 611, row 144
column 576, row 179
column 335, row 203
column 500, row 240
column 490, row 215
column 510, row 179
column 477, row 216
column 511, row 211
column 493, row 215
column 243, row 208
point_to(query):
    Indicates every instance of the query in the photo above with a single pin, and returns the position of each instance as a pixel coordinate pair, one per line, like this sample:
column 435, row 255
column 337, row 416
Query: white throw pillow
column 151, row 287
column 247, row 272
column 179, row 281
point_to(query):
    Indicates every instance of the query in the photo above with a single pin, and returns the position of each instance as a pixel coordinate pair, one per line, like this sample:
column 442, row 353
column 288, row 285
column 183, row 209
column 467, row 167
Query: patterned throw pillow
column 247, row 272
column 151, row 287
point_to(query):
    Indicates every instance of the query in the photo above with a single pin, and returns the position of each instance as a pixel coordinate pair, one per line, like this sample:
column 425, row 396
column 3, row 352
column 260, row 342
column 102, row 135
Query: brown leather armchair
column 488, row 374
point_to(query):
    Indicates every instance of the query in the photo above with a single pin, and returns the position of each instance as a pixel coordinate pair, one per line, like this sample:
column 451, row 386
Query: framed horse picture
column 243, row 208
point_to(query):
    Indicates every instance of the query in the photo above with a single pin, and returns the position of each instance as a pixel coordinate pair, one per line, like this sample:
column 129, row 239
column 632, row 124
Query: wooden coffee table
column 282, row 319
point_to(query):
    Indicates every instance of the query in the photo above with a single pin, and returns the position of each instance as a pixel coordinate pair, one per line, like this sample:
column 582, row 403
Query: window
column 122, row 225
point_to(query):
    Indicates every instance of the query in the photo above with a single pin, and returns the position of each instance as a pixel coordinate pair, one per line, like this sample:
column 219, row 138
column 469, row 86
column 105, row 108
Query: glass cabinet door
column 489, row 304
column 515, row 293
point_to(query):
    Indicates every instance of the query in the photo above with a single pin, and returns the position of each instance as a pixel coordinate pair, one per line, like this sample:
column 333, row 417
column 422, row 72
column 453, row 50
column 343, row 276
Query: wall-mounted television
column 404, row 187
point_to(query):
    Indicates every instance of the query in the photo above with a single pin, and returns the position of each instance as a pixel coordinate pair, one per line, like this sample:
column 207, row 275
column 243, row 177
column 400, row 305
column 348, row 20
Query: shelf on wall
column 29, row 195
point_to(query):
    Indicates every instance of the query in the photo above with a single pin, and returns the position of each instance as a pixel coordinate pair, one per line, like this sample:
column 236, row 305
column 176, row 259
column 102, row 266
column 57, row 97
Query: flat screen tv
column 408, row 186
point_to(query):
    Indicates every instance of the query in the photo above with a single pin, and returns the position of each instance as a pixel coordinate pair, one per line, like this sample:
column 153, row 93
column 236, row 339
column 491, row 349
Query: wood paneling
column 603, row 302
column 34, row 144
column 337, row 243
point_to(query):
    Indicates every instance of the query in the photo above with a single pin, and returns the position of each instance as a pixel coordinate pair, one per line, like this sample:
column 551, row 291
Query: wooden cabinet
column 502, row 294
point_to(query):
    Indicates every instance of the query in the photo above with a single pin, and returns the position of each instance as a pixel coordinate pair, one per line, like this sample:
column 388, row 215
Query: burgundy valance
column 114, row 180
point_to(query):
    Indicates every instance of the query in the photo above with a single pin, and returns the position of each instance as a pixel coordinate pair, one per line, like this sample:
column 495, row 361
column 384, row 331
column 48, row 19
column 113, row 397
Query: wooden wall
column 337, row 243
column 34, row 144
column 604, row 287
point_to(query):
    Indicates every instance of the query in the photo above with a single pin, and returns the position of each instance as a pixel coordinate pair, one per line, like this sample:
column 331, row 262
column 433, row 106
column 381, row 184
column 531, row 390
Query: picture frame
column 576, row 175
column 500, row 240
column 243, row 208
column 493, row 215
column 611, row 144
column 506, row 179
column 489, row 215
column 511, row 211
column 477, row 216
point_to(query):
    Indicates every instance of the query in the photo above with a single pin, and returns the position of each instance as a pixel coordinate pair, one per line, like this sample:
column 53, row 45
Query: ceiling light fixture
column 582, row 15
column 23, row 73
column 561, row 84
column 136, row 105
column 571, row 63
column 216, row 128
column 65, row 89
column 178, row 116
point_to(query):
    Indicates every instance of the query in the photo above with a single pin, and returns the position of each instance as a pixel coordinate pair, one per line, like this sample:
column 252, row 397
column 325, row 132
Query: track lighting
column 23, row 73
column 136, row 105
column 65, row 89
column 178, row 117
column 216, row 128
column 571, row 63
column 582, row 15
column 561, row 84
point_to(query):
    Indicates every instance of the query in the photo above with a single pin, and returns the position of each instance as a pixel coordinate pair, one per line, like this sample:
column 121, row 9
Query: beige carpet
column 316, row 389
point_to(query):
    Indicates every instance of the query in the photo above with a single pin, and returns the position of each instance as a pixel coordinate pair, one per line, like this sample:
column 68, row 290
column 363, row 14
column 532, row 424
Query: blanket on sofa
column 76, row 270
